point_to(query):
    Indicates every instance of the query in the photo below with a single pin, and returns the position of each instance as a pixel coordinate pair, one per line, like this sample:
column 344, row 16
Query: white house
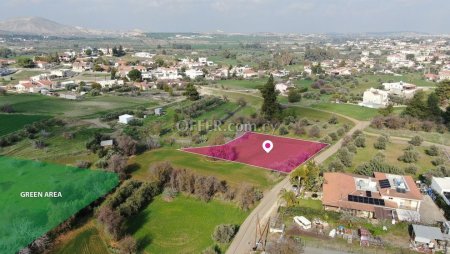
column 444, row 75
column 61, row 73
column 402, row 89
column 125, row 119
column 144, row 55
column 375, row 98
column 110, row 83
column 441, row 185
column 193, row 73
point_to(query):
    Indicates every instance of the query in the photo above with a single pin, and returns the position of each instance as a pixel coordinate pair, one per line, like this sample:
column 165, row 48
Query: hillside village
column 378, row 106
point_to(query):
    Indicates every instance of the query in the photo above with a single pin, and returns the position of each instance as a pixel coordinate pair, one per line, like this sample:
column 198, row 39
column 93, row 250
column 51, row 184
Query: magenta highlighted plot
column 285, row 154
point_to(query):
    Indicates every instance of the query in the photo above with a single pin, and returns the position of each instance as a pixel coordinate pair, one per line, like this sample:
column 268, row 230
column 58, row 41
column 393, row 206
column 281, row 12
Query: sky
column 245, row 16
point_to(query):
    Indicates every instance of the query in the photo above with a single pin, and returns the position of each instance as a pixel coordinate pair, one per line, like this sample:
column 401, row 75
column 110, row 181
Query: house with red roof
column 381, row 196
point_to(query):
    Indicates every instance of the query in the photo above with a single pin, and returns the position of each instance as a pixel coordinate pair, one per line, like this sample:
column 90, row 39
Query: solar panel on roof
column 384, row 184
column 366, row 200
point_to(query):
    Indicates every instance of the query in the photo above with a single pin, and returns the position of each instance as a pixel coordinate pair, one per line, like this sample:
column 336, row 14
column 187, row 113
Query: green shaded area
column 23, row 219
column 242, row 84
column 12, row 122
column 87, row 242
column 184, row 225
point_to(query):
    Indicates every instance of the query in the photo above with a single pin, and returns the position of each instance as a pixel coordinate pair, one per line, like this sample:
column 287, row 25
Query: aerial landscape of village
column 224, row 127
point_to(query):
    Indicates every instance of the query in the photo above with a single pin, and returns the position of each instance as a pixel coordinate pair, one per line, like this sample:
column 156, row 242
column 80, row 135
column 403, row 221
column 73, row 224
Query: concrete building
column 441, row 185
column 375, row 98
column 125, row 119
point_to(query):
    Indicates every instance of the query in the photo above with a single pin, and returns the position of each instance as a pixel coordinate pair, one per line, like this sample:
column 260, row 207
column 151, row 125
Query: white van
column 302, row 222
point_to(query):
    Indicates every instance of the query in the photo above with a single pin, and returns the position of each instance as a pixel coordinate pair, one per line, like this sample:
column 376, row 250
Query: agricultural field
column 87, row 108
column 354, row 111
column 433, row 137
column 59, row 149
column 88, row 240
column 15, row 122
column 391, row 153
column 235, row 174
column 19, row 75
column 183, row 225
column 36, row 216
column 243, row 84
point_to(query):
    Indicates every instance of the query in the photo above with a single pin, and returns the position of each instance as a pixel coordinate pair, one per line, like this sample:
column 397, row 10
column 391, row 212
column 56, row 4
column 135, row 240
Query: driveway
column 429, row 212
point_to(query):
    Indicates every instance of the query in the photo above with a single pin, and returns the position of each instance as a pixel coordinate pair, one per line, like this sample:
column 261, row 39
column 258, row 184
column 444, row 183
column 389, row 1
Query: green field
column 184, row 225
column 14, row 122
column 242, row 84
column 233, row 173
column 58, row 150
column 87, row 108
column 20, row 75
column 354, row 111
column 433, row 137
column 87, row 242
column 23, row 219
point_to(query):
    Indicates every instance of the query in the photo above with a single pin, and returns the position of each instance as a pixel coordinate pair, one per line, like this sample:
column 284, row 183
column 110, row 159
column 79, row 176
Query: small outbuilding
column 125, row 119
column 158, row 111
column 426, row 238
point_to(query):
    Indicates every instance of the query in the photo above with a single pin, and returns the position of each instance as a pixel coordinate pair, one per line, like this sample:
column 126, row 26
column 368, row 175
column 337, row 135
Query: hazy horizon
column 241, row 16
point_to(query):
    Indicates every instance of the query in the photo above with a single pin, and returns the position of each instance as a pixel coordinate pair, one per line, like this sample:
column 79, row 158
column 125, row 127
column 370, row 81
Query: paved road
column 245, row 238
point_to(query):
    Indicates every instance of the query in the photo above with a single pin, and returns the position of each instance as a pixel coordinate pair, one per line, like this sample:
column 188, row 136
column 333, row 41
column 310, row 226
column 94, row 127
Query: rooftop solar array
column 366, row 200
column 384, row 184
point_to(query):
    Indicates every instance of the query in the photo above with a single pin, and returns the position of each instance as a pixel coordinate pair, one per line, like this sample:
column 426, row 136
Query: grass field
column 184, row 225
column 20, row 75
column 354, row 111
column 25, row 218
column 434, row 137
column 86, row 108
column 14, row 122
column 242, row 84
column 87, row 241
column 233, row 173
column 58, row 150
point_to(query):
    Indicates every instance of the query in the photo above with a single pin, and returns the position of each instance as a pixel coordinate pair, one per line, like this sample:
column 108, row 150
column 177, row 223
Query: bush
column 411, row 169
column 340, row 132
column 356, row 134
column 380, row 144
column 416, row 141
column 432, row 150
column 360, row 141
column 224, row 233
column 336, row 166
column 333, row 136
column 83, row 164
column 128, row 245
column 283, row 131
column 345, row 157
column 438, row 161
column 314, row 131
column 333, row 120
column 409, row 156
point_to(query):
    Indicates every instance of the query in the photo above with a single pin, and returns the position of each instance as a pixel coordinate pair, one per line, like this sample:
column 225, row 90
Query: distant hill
column 42, row 26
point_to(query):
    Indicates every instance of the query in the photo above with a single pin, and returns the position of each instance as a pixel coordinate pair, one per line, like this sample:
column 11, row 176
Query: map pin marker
column 267, row 146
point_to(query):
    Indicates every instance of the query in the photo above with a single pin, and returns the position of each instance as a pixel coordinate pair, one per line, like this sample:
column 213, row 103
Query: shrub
column 314, row 131
column 336, row 166
column 224, row 233
column 416, row 140
column 380, row 144
column 128, row 245
column 432, row 150
column 83, row 164
column 411, row 169
column 360, row 141
column 333, row 120
column 340, row 132
column 438, row 161
column 409, row 156
column 345, row 157
column 356, row 134
column 283, row 131
column 333, row 136
column 352, row 148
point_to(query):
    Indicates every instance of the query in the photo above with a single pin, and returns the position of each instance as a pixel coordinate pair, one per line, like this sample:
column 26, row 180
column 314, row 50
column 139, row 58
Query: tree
column 416, row 106
column 314, row 131
column 270, row 108
column 6, row 52
column 432, row 150
column 191, row 92
column 2, row 91
column 380, row 144
column 127, row 145
column 299, row 175
column 135, row 75
column 88, row 52
column 294, row 95
column 360, row 141
column 434, row 110
column 128, row 245
column 416, row 140
column 118, row 163
column 288, row 197
column 345, row 156
column 224, row 233
column 113, row 222
column 387, row 110
column 336, row 166
column 25, row 62
column 113, row 73
column 443, row 91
